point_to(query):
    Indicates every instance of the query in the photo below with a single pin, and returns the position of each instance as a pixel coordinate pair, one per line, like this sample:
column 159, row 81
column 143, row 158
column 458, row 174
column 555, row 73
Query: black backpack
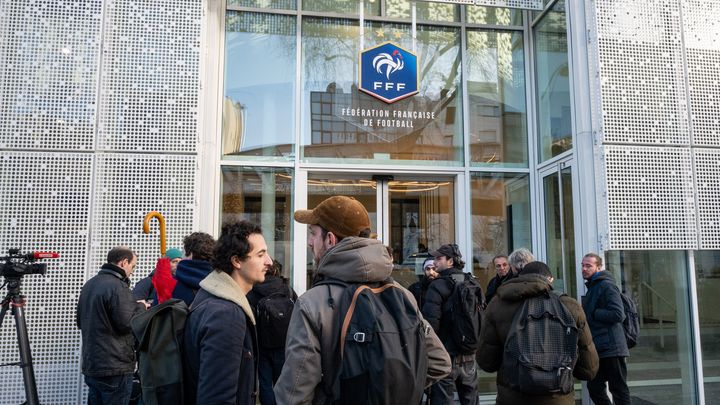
column 463, row 312
column 382, row 352
column 541, row 348
column 273, row 319
column 159, row 332
column 631, row 324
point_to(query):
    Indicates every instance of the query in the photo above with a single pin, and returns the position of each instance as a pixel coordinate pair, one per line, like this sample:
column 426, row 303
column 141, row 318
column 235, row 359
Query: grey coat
column 314, row 329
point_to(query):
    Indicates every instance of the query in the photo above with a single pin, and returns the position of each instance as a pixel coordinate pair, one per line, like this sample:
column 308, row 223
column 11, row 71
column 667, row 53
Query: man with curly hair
column 221, row 347
column 191, row 271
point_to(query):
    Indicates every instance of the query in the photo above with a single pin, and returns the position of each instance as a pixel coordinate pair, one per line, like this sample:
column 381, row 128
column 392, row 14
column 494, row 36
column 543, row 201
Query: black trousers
column 462, row 377
column 613, row 370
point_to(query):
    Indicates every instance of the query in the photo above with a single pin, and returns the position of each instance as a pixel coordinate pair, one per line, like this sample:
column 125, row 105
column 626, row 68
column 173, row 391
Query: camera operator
column 104, row 310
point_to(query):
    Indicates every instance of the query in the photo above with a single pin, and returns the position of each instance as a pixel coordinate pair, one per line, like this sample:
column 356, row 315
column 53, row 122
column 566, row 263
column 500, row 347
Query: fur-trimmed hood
column 221, row 285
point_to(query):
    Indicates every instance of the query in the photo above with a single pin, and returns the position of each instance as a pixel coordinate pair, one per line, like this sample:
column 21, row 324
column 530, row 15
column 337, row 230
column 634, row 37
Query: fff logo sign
column 388, row 72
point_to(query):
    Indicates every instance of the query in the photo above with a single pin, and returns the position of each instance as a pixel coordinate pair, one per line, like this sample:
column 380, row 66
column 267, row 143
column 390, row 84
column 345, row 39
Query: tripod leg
column 31, row 395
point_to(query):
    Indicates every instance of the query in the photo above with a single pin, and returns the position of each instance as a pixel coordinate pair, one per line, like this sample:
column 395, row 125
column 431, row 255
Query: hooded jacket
column 605, row 313
column 103, row 315
column 189, row 274
column 221, row 354
column 434, row 308
column 496, row 327
column 313, row 335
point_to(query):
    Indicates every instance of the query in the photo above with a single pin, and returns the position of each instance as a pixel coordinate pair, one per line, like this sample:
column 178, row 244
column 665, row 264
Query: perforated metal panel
column 648, row 198
column 45, row 206
column 150, row 76
column 641, row 72
column 702, row 39
column 48, row 69
column 522, row 4
column 707, row 172
column 129, row 186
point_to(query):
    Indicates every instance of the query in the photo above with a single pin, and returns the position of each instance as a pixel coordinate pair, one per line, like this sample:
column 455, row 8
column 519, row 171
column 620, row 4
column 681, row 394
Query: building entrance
column 412, row 214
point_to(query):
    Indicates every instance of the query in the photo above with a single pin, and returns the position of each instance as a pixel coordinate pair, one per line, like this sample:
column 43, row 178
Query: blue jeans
column 112, row 390
column 269, row 367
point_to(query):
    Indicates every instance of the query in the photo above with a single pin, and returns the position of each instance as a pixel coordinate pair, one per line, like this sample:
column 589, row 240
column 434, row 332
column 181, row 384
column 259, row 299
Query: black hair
column 233, row 242
column 120, row 253
column 200, row 245
column 536, row 268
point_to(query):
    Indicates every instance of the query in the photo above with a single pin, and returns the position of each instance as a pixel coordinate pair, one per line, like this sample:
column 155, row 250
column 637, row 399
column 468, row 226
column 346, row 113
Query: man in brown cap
column 345, row 258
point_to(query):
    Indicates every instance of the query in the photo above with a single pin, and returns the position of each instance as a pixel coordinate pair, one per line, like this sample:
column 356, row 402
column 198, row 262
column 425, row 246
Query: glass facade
column 496, row 149
column 707, row 279
column 660, row 367
column 552, row 83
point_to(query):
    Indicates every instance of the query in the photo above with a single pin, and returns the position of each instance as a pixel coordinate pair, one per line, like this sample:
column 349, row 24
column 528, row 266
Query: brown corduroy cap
column 343, row 216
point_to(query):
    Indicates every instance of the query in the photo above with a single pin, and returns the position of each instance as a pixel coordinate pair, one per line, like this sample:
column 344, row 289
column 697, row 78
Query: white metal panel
column 150, row 76
column 648, row 198
column 707, row 172
column 127, row 187
column 521, row 4
column 641, row 72
column 44, row 206
column 48, row 69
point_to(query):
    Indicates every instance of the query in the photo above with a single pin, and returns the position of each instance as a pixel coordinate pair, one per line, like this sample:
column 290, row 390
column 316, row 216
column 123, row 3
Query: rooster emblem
column 390, row 63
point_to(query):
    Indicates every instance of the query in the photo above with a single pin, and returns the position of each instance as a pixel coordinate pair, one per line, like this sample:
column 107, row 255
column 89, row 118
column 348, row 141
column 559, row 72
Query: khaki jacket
column 496, row 326
column 313, row 334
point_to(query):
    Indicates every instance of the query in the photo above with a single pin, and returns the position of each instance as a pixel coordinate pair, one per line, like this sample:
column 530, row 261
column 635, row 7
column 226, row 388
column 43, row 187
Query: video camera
column 16, row 264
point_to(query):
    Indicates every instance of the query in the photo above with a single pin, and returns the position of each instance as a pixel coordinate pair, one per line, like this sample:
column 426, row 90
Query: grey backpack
column 541, row 348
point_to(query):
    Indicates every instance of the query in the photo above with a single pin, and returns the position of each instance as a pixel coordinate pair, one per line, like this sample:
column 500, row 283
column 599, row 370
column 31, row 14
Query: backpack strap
column 351, row 310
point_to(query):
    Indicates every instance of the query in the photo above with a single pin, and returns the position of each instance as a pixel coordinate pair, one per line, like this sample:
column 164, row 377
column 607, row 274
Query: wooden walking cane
column 161, row 222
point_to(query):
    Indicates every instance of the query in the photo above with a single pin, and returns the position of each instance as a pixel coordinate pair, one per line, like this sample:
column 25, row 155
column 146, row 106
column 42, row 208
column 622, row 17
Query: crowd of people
column 355, row 336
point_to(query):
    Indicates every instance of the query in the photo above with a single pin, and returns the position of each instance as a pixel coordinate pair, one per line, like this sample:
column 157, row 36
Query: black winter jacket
column 103, row 315
column 605, row 313
column 434, row 307
column 221, row 352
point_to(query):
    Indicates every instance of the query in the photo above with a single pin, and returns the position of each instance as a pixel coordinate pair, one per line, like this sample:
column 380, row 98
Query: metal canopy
column 521, row 4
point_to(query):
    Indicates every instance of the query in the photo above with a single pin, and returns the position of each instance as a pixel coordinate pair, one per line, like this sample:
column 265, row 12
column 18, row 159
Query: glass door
column 559, row 243
column 410, row 215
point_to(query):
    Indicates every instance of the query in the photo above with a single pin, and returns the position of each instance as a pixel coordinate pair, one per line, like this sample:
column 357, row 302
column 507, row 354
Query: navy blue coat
column 605, row 313
column 219, row 331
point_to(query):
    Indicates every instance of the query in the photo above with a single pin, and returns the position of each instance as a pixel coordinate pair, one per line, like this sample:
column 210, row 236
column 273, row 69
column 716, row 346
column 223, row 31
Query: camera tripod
column 16, row 302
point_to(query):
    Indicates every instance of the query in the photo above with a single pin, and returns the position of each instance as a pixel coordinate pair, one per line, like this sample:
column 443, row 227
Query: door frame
column 462, row 228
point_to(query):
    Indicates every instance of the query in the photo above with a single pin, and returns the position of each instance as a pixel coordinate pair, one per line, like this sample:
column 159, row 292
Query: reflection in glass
column 330, row 68
column 559, row 231
column 660, row 367
column 500, row 219
column 342, row 6
column 325, row 185
column 273, row 4
column 500, row 223
column 496, row 96
column 707, row 271
column 422, row 218
column 493, row 15
column 262, row 196
column 258, row 107
column 424, row 11
column 553, row 83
